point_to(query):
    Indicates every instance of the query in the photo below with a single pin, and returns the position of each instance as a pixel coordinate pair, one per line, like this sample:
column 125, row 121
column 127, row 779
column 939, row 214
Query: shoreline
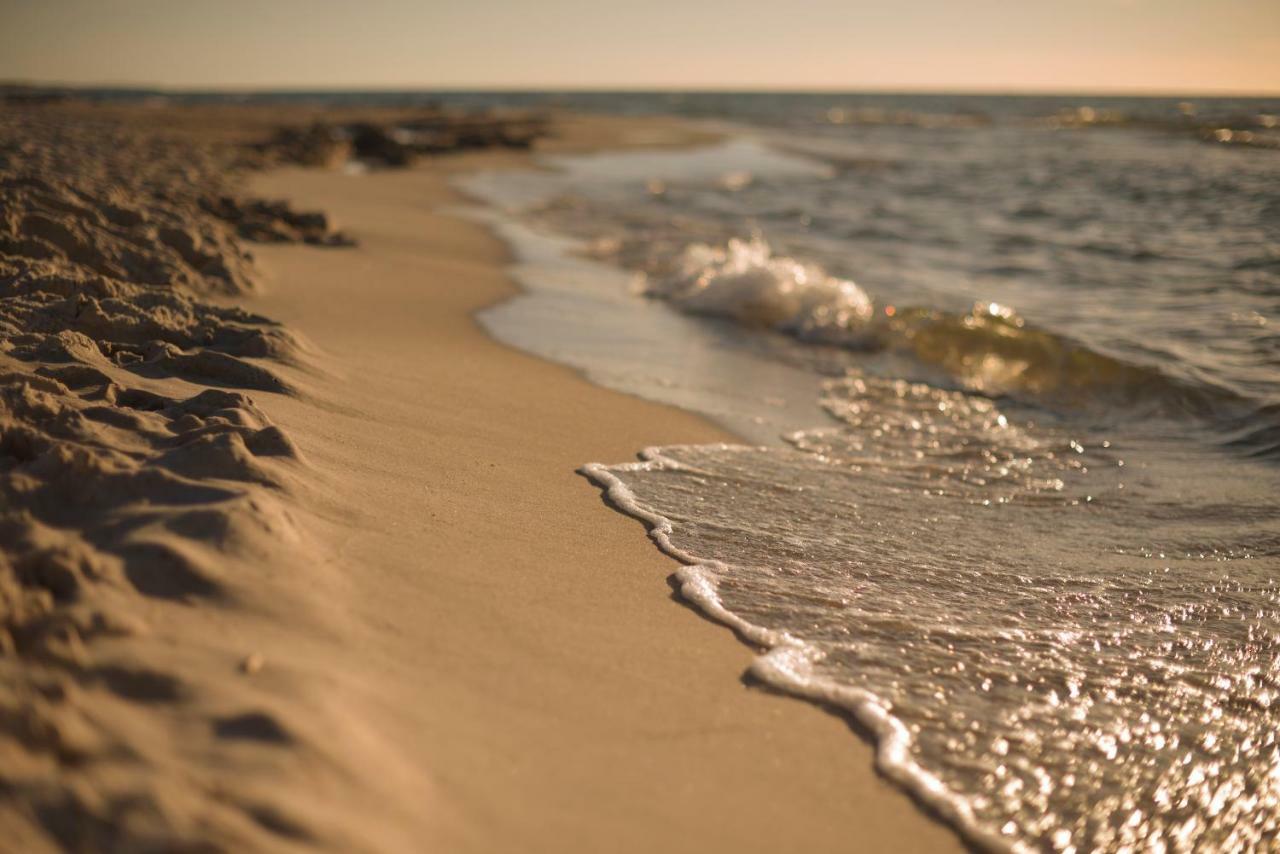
column 317, row 536
column 548, row 687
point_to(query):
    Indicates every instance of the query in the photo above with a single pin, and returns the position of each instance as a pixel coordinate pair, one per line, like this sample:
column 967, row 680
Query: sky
column 1130, row 46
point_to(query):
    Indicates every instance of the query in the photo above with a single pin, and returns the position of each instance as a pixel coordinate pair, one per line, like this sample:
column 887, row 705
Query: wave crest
column 990, row 349
column 744, row 281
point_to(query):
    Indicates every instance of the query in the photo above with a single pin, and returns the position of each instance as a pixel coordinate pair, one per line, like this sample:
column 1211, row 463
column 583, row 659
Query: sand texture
column 144, row 507
column 328, row 580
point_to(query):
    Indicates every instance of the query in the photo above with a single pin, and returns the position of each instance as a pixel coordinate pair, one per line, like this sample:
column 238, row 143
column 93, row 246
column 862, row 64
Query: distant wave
column 1252, row 130
column 1245, row 130
column 904, row 118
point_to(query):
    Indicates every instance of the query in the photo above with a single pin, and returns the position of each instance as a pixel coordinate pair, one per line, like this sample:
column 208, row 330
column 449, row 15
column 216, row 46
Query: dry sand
column 333, row 584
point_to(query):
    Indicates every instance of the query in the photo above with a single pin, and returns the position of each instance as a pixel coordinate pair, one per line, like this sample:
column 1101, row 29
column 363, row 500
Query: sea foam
column 747, row 282
column 1047, row 652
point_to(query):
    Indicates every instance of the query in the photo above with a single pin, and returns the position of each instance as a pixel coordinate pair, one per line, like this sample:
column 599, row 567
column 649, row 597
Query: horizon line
column 249, row 89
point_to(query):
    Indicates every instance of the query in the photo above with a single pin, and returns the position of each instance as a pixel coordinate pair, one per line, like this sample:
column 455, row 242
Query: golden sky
column 1194, row 46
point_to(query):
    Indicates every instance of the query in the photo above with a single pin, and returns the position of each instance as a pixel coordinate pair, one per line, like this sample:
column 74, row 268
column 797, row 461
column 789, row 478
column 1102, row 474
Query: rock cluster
column 399, row 142
column 274, row 221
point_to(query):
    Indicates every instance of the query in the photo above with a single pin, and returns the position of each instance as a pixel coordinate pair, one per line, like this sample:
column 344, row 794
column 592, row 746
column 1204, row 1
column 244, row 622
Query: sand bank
column 516, row 641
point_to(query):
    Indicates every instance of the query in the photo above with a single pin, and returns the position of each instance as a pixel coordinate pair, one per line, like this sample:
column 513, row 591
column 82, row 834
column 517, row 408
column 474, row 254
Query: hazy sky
column 1081, row 45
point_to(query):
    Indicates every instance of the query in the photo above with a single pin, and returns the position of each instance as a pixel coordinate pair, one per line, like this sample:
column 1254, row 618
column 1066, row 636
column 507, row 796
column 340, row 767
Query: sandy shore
column 517, row 642
column 296, row 559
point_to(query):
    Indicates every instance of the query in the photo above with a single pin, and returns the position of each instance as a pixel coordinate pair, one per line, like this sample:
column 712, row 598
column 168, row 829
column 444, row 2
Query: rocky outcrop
column 275, row 221
column 396, row 143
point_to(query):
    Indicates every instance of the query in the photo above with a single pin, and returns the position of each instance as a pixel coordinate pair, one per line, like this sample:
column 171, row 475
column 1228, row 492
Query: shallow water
column 1025, row 527
column 1062, row 640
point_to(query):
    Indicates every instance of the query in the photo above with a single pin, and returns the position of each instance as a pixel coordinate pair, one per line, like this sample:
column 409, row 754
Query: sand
column 561, row 698
column 335, row 584
column 149, row 518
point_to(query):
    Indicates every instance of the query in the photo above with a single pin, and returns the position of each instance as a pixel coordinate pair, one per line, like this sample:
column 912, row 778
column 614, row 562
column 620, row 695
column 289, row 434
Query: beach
column 367, row 603
column 491, row 427
column 534, row 661
column 633, row 471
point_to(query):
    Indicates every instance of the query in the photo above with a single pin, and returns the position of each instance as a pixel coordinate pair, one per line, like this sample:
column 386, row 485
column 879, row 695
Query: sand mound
column 116, row 497
column 121, row 204
column 145, row 509
column 59, row 313
column 133, row 206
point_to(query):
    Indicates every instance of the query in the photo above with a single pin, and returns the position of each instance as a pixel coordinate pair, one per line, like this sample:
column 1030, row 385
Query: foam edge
column 787, row 663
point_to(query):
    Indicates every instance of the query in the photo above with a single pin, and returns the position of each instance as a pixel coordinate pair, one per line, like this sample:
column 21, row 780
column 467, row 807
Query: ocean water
column 1007, row 373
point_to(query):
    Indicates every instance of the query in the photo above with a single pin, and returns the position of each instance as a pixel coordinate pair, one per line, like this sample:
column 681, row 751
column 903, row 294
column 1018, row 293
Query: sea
column 1005, row 373
column 1005, row 377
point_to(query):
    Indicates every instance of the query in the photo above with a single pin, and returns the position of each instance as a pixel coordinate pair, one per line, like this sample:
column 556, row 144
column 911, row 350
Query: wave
column 1001, row 607
column 990, row 349
column 879, row 116
column 1241, row 137
column 746, row 282
column 1238, row 128
column 787, row 661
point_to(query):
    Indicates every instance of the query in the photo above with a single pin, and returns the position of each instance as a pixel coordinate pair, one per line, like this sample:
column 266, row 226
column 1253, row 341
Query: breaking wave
column 990, row 349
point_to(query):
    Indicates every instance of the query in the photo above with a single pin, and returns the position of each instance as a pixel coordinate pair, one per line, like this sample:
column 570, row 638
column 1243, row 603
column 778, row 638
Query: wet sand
column 517, row 641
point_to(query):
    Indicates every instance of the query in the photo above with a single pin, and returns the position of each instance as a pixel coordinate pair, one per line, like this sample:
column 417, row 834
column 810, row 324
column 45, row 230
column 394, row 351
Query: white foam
column 787, row 663
column 587, row 314
column 747, row 282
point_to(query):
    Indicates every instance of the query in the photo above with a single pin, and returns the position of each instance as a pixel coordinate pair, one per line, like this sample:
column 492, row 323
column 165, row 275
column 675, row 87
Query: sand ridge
column 147, row 512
